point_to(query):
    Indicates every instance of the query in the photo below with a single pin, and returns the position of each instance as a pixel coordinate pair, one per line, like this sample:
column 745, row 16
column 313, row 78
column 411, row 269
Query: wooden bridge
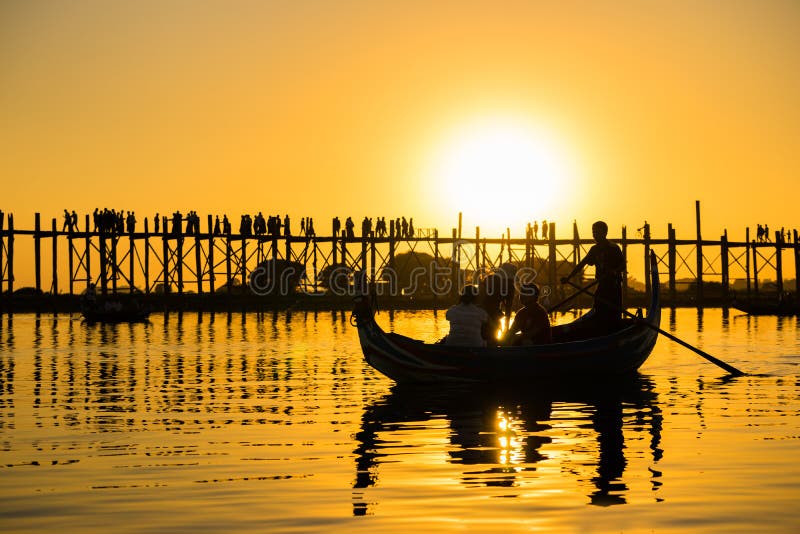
column 209, row 262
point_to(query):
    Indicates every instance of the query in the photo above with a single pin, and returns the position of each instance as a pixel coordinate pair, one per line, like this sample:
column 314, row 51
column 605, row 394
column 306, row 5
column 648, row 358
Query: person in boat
column 531, row 324
column 467, row 321
column 497, row 298
column 609, row 264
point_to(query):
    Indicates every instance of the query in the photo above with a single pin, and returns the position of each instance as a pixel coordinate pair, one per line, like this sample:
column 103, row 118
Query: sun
column 502, row 173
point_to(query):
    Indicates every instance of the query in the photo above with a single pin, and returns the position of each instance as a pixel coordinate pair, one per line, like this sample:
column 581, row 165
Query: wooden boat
column 784, row 308
column 114, row 312
column 404, row 359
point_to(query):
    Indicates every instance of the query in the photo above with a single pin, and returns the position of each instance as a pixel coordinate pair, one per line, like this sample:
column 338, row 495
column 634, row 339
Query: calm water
column 247, row 422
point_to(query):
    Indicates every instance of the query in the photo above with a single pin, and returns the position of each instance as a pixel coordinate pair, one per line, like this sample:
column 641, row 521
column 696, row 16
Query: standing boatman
column 609, row 264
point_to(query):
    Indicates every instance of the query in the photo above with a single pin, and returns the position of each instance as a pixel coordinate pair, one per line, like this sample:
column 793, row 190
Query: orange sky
column 343, row 108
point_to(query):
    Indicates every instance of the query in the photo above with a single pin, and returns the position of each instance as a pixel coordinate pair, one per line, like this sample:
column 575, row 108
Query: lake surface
column 274, row 423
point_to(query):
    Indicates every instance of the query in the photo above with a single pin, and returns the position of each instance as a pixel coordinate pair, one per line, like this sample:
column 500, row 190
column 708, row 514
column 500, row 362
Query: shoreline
column 299, row 302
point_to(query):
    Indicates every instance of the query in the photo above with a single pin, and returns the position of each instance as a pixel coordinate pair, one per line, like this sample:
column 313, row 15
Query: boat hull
column 404, row 359
column 764, row 308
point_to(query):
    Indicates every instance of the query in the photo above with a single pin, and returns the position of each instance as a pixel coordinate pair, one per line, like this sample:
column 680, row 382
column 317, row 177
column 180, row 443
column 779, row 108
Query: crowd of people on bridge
column 762, row 234
column 110, row 221
column 533, row 230
column 399, row 228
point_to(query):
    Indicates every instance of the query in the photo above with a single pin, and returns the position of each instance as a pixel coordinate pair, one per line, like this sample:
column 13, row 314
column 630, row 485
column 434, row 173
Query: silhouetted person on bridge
column 67, row 222
column 177, row 220
column 544, row 229
column 287, row 231
column 156, row 222
column 131, row 222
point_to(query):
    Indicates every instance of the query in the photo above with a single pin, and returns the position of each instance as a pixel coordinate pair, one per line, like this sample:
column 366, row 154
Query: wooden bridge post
column 755, row 268
column 672, row 255
column 70, row 262
column 103, row 263
column 146, row 256
column 699, row 255
column 2, row 225
column 364, row 254
column 553, row 271
column 244, row 261
column 88, row 254
column 508, row 243
column 228, row 270
column 344, row 250
column 37, row 248
column 796, row 247
column 528, row 231
column 314, row 261
column 435, row 266
column 478, row 265
column 647, row 284
column 454, row 266
column 114, row 266
column 576, row 243
column 747, row 259
column 372, row 254
column 211, row 288
column 273, row 246
column 779, row 262
column 10, row 258
column 624, row 247
column 723, row 252
column 131, row 259
column 335, row 243
column 391, row 243
column 165, row 257
column 198, row 260
column 3, row 268
column 55, row 257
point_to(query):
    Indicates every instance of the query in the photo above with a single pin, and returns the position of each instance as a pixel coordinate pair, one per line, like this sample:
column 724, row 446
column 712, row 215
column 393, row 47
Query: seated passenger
column 531, row 325
column 496, row 296
column 467, row 321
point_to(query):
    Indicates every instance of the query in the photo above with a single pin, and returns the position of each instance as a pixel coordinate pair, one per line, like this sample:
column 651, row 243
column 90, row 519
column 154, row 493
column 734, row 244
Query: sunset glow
column 503, row 172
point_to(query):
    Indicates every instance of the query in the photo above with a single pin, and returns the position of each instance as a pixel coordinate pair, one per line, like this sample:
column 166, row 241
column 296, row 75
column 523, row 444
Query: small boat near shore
column 126, row 309
column 782, row 308
column 404, row 359
column 113, row 315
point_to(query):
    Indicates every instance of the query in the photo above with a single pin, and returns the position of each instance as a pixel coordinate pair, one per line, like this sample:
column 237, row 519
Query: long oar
column 716, row 361
column 569, row 298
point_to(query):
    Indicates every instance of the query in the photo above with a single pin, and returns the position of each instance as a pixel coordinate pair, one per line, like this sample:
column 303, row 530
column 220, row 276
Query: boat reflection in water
column 515, row 438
